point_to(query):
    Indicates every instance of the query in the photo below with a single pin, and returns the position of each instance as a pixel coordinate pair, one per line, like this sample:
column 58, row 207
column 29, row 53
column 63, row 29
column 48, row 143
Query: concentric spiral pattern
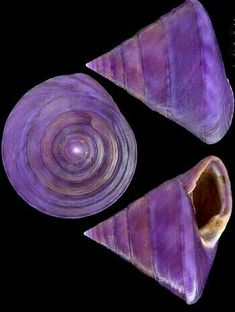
column 67, row 149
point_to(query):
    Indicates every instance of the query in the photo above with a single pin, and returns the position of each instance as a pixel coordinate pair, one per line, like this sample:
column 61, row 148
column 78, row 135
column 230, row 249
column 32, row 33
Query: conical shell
column 171, row 233
column 175, row 67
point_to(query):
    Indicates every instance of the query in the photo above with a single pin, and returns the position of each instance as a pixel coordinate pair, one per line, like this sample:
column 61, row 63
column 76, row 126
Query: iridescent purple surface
column 67, row 149
column 175, row 67
column 172, row 233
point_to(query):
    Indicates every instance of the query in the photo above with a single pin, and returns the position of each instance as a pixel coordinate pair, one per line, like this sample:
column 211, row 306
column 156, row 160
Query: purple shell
column 67, row 150
column 175, row 67
column 171, row 233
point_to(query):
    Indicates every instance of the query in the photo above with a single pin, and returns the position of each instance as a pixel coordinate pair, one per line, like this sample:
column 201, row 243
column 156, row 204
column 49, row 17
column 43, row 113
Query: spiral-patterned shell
column 175, row 67
column 67, row 150
column 172, row 232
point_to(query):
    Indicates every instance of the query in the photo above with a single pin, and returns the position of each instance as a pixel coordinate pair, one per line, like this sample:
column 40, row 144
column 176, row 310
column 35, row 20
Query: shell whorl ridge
column 171, row 233
column 175, row 67
column 67, row 150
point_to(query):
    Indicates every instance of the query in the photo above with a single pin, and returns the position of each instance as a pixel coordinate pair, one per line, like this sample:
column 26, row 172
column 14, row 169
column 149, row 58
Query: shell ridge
column 129, row 235
column 168, row 79
column 141, row 66
column 150, row 235
column 202, row 68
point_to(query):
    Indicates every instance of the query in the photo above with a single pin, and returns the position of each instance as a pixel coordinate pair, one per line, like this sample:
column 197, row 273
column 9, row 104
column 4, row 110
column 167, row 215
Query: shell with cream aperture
column 172, row 233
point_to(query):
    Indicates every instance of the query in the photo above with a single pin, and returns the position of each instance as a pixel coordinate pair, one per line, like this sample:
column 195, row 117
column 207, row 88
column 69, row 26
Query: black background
column 46, row 261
